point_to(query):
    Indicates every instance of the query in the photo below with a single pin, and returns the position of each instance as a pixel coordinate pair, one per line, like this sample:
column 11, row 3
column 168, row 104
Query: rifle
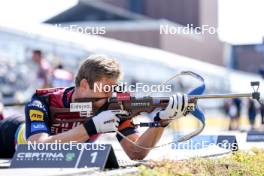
column 136, row 105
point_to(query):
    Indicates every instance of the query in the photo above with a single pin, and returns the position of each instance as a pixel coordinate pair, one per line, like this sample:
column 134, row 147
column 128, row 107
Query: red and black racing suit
column 39, row 118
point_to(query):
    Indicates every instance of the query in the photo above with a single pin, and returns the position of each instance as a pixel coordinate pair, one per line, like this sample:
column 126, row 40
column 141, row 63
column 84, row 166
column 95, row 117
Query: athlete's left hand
column 177, row 107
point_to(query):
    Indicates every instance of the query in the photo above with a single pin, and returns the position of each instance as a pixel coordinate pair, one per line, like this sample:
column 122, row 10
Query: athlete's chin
column 99, row 103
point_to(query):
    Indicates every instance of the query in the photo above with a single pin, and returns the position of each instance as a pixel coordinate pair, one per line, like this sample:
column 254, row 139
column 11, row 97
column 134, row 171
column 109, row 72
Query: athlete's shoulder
column 54, row 96
column 36, row 109
column 61, row 97
column 50, row 91
column 36, row 116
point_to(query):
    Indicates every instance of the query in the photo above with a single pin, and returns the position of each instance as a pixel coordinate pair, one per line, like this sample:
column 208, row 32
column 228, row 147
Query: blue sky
column 240, row 21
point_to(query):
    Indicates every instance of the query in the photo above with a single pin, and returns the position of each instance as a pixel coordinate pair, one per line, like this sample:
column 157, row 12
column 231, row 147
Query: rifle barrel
column 214, row 96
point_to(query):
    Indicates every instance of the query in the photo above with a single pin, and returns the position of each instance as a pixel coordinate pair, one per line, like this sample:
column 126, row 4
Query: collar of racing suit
column 65, row 111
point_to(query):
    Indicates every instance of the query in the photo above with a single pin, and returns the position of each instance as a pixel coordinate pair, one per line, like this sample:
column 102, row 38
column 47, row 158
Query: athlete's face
column 101, row 89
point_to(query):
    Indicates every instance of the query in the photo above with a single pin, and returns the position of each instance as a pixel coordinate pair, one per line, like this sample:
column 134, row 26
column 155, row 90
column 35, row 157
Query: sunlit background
column 228, row 60
column 239, row 21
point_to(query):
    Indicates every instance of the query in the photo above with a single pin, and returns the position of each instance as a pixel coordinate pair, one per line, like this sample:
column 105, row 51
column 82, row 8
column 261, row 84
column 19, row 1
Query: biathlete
column 42, row 125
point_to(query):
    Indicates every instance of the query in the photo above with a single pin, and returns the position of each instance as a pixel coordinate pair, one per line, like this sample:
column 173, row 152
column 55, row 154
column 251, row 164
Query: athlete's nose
column 109, row 94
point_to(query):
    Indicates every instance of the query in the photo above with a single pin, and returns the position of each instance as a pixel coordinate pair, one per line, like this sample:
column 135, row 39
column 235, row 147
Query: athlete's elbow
column 137, row 155
column 38, row 138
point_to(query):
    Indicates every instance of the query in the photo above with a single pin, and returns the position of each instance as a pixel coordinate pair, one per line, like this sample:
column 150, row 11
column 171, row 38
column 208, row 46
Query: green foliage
column 241, row 163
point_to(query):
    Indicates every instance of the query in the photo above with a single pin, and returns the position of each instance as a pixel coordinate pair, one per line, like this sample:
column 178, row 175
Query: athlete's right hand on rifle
column 104, row 122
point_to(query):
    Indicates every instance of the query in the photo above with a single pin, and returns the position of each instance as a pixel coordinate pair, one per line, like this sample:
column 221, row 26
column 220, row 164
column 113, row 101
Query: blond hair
column 96, row 67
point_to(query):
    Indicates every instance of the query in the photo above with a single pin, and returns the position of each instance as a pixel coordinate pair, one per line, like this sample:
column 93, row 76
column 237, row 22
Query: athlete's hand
column 178, row 106
column 104, row 122
column 108, row 121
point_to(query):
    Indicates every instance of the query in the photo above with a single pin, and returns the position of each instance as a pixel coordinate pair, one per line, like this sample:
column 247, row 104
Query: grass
column 240, row 163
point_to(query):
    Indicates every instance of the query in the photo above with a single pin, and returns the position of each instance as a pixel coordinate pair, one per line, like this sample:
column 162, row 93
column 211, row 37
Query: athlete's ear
column 84, row 84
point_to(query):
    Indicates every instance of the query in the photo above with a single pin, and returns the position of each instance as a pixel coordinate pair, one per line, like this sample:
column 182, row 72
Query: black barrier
column 255, row 136
column 53, row 156
column 227, row 142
